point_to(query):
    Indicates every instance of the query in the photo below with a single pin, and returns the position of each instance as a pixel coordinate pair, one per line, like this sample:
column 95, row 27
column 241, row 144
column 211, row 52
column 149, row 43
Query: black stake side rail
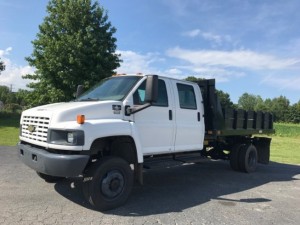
column 231, row 122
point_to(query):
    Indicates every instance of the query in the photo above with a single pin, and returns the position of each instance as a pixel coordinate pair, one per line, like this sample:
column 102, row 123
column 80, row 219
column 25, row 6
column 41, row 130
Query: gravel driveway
column 204, row 193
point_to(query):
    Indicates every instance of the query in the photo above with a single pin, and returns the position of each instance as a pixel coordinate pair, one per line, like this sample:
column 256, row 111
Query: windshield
column 114, row 88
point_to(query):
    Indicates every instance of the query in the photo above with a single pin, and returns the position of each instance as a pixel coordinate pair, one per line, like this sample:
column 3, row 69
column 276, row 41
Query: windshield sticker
column 116, row 109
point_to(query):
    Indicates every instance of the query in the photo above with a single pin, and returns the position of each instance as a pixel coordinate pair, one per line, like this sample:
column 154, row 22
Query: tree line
column 280, row 107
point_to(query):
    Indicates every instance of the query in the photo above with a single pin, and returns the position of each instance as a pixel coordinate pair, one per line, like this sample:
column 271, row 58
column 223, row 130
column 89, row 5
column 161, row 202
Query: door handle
column 170, row 115
column 198, row 116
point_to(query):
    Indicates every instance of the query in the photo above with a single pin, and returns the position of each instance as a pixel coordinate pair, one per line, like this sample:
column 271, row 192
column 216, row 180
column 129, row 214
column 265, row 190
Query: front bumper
column 59, row 165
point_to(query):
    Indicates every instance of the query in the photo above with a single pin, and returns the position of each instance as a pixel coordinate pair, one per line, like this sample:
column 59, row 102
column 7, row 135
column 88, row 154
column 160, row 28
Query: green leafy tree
column 248, row 101
column 294, row 113
column 75, row 45
column 22, row 98
column 13, row 108
column 2, row 66
column 225, row 99
column 280, row 108
column 4, row 94
column 263, row 105
column 193, row 79
column 8, row 99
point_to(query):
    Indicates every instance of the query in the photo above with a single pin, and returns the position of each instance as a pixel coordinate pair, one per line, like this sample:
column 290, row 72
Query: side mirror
column 150, row 95
column 151, row 89
column 79, row 90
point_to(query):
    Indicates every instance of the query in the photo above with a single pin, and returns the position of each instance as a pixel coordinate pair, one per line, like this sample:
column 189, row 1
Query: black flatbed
column 222, row 122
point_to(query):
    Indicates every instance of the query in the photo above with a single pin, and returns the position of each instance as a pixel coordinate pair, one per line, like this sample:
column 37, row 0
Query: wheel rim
column 112, row 184
column 252, row 159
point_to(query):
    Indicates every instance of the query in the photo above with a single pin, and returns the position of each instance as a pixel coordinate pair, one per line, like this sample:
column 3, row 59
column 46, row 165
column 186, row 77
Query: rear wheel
column 234, row 156
column 107, row 184
column 248, row 159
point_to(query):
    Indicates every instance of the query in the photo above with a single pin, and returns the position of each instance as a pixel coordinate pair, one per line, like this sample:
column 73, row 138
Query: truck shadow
column 175, row 189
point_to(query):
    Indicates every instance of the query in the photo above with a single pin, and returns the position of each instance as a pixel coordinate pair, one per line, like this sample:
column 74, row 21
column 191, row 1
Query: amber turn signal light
column 80, row 119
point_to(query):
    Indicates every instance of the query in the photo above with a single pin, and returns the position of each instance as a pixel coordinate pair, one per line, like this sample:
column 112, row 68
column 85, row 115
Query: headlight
column 70, row 137
column 66, row 137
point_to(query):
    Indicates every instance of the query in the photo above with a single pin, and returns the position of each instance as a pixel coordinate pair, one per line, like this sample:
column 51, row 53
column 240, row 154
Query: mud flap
column 262, row 145
column 138, row 170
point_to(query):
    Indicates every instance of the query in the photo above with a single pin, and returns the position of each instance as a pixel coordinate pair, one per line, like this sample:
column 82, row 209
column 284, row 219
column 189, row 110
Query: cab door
column 189, row 119
column 155, row 125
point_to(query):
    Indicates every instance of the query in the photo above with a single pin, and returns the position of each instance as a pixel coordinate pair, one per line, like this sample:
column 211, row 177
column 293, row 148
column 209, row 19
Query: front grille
column 35, row 128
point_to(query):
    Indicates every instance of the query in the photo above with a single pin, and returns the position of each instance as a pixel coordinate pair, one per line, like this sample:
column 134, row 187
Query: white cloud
column 174, row 71
column 134, row 62
column 183, row 8
column 212, row 37
column 178, row 7
column 238, row 58
column 12, row 75
column 148, row 64
column 222, row 66
column 209, row 36
column 221, row 74
column 5, row 52
column 282, row 82
column 192, row 33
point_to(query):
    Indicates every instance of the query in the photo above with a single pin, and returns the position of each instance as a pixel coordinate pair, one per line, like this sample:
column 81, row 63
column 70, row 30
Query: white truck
column 110, row 132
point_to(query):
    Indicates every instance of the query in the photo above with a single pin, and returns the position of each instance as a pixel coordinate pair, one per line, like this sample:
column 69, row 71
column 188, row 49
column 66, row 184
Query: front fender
column 111, row 128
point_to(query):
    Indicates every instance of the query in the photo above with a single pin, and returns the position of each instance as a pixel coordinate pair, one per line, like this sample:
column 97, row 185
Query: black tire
column 234, row 156
column 49, row 178
column 108, row 183
column 248, row 159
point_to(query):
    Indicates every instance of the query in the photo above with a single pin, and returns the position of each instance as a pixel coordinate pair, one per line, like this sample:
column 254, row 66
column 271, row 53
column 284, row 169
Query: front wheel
column 108, row 183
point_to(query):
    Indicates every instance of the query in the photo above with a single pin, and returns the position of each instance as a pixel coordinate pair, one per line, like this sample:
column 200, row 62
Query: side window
column 187, row 99
column 139, row 95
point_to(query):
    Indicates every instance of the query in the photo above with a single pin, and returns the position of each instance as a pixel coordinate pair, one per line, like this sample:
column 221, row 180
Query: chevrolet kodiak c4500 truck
column 110, row 133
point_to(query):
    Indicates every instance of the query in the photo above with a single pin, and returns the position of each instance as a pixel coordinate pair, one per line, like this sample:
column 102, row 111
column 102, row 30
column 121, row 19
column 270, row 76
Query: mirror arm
column 79, row 90
column 137, row 109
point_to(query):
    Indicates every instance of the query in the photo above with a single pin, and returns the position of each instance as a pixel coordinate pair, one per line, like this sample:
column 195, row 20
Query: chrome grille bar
column 35, row 128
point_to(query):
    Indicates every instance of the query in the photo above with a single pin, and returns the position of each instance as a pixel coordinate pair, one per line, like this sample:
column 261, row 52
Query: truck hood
column 68, row 111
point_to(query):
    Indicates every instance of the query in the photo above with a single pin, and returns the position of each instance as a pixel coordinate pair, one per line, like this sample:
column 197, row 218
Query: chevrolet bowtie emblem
column 31, row 128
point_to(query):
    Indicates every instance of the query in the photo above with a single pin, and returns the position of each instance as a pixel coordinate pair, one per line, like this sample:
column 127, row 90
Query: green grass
column 285, row 145
column 285, row 149
column 9, row 130
column 287, row 130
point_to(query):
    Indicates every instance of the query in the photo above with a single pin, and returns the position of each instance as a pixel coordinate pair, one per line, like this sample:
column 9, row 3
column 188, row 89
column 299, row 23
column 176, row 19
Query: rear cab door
column 189, row 120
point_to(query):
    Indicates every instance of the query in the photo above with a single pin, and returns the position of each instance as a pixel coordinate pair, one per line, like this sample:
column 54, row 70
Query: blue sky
column 247, row 46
